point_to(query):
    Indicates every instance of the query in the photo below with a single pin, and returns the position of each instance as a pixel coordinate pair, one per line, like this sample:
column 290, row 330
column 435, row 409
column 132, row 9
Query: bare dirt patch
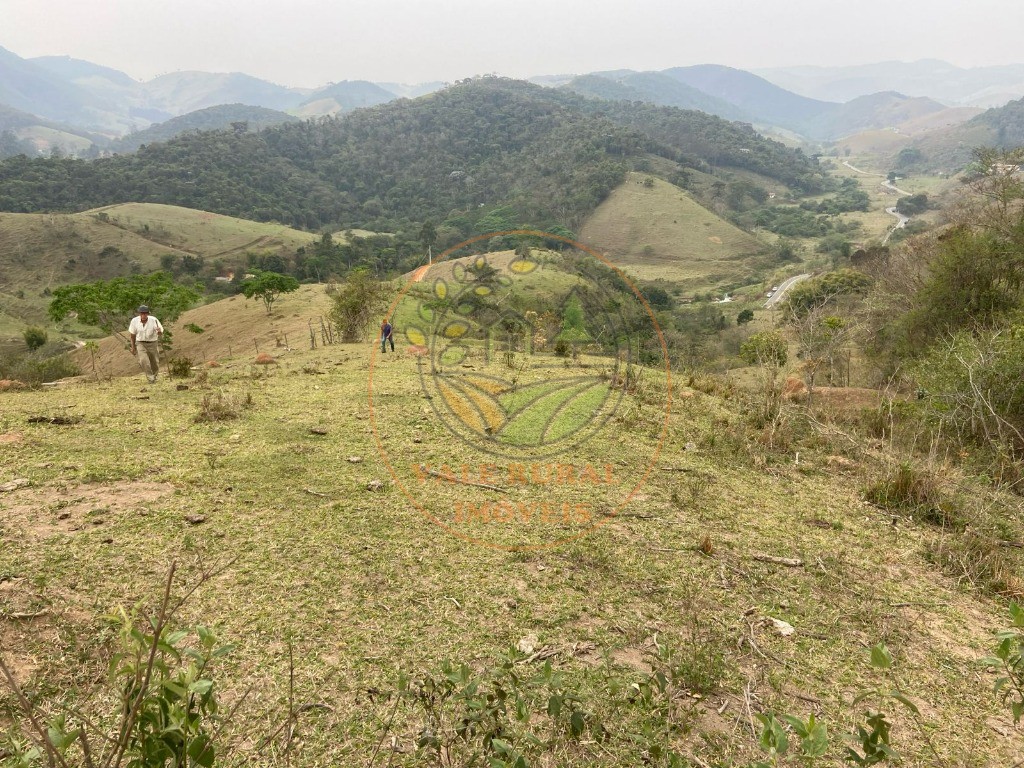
column 631, row 657
column 22, row 613
column 42, row 512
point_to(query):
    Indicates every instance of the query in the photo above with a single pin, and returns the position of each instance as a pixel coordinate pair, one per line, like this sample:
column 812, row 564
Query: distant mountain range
column 82, row 107
column 952, row 85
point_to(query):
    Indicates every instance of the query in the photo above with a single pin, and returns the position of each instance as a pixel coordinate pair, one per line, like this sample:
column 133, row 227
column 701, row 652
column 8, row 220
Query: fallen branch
column 802, row 697
column 789, row 562
column 26, row 616
column 634, row 515
column 316, row 493
column 65, row 420
column 454, row 479
column 543, row 653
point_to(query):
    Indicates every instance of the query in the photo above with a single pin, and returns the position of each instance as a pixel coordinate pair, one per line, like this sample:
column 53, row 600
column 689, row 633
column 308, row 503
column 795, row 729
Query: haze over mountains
column 975, row 87
column 78, row 104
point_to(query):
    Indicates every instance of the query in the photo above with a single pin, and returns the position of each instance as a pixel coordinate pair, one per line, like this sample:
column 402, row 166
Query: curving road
column 901, row 220
column 893, row 188
column 783, row 287
column 900, row 224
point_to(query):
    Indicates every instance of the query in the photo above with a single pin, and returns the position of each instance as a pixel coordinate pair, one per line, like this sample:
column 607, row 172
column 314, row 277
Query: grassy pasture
column 661, row 232
column 362, row 585
column 43, row 251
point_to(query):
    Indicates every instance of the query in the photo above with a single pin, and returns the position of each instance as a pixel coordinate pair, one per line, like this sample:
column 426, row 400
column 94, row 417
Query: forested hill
column 539, row 157
column 222, row 117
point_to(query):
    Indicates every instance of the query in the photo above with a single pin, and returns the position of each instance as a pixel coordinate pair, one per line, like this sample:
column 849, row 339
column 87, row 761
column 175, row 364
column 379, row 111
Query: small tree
column 822, row 336
column 574, row 332
column 110, row 304
column 361, row 299
column 34, row 337
column 268, row 286
column 744, row 317
column 767, row 350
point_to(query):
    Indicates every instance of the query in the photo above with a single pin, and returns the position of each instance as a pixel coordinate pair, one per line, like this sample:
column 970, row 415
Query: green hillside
column 951, row 149
column 492, row 149
column 22, row 133
column 39, row 252
column 344, row 97
column 660, row 231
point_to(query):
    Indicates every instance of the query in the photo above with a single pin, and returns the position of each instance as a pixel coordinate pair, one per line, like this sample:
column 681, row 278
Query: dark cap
column 143, row 308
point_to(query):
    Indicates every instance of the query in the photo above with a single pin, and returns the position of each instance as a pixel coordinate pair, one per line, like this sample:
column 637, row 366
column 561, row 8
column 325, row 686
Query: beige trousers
column 149, row 358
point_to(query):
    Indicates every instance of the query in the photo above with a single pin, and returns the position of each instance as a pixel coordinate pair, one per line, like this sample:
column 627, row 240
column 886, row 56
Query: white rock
column 782, row 627
column 527, row 644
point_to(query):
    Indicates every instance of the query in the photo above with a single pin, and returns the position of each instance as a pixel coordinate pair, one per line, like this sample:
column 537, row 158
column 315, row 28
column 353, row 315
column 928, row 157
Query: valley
column 691, row 446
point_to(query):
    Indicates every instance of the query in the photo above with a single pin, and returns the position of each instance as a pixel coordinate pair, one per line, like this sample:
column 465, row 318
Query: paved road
column 900, row 224
column 887, row 184
column 901, row 219
column 783, row 287
column 858, row 170
column 893, row 188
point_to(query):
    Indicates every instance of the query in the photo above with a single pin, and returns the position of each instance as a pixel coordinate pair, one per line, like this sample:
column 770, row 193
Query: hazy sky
column 311, row 42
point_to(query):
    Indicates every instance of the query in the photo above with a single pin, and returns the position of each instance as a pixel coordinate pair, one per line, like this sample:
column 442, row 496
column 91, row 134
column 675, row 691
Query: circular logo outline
column 485, row 442
column 382, row 450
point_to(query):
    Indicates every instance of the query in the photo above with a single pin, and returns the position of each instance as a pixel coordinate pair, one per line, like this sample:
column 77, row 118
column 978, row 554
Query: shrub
column 357, row 304
column 34, row 369
column 219, row 406
column 34, row 337
column 979, row 559
column 1008, row 661
column 179, row 367
column 161, row 709
column 974, row 385
column 906, row 488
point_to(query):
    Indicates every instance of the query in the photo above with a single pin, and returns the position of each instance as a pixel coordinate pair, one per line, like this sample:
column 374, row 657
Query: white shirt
column 147, row 332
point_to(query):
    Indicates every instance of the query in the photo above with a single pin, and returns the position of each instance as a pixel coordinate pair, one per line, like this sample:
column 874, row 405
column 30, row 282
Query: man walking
column 146, row 331
column 385, row 335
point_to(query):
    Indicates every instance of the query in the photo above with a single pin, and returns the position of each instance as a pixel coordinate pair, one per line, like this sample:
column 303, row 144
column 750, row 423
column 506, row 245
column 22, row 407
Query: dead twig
column 27, row 616
column 543, row 653
column 789, row 562
column 750, row 714
column 635, row 515
column 455, row 479
column 384, row 732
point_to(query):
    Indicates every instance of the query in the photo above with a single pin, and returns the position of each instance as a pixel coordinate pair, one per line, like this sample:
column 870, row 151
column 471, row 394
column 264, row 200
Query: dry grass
column 364, row 585
column 201, row 233
column 662, row 232
column 232, row 327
